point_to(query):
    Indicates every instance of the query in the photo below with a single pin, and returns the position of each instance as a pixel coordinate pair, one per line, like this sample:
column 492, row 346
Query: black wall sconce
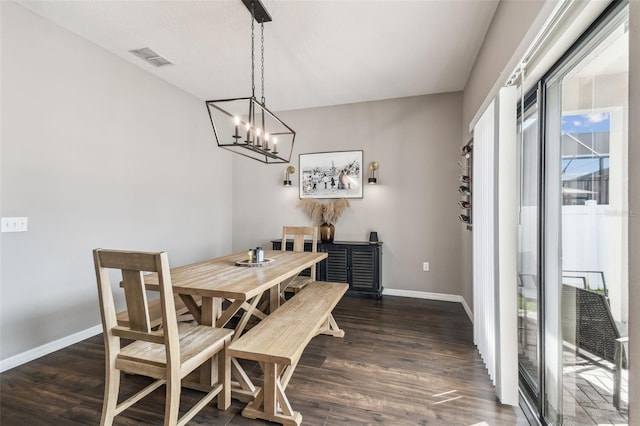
column 373, row 166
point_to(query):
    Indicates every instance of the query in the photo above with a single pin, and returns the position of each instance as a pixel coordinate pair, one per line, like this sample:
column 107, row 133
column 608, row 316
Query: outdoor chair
column 595, row 331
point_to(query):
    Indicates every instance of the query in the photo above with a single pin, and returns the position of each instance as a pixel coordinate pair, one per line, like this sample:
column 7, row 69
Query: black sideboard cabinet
column 354, row 262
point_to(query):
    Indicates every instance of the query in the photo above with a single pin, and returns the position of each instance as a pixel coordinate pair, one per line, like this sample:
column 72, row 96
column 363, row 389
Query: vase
column 327, row 232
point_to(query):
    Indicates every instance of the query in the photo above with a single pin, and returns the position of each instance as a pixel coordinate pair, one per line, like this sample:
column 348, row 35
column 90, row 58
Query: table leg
column 274, row 298
column 209, row 312
column 246, row 316
column 193, row 307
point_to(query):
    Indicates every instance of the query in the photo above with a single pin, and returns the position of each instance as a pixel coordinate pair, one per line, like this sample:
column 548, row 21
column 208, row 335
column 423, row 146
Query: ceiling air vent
column 150, row 56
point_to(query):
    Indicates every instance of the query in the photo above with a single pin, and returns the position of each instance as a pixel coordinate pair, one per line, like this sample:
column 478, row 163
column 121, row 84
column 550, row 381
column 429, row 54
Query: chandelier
column 245, row 125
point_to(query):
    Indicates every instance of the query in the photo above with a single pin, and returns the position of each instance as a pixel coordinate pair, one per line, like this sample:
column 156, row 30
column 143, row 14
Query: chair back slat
column 136, row 298
column 299, row 233
column 298, row 242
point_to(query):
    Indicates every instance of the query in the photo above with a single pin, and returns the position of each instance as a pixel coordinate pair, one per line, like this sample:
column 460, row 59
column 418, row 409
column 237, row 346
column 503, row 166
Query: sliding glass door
column 573, row 230
column 586, row 228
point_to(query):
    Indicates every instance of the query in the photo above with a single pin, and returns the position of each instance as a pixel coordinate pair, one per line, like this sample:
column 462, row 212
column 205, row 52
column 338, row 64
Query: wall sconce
column 373, row 166
column 290, row 170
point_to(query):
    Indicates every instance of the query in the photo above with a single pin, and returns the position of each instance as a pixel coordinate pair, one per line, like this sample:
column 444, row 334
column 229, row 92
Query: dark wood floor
column 402, row 362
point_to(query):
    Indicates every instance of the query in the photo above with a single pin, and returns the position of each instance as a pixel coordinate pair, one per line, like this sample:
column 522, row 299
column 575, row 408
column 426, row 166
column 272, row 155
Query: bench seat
column 277, row 343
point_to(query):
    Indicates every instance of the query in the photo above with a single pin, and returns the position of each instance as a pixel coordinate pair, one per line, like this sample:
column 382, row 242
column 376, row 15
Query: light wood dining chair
column 168, row 354
column 299, row 233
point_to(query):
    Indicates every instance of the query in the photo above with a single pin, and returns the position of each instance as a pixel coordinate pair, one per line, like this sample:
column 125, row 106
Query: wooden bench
column 277, row 343
column 155, row 311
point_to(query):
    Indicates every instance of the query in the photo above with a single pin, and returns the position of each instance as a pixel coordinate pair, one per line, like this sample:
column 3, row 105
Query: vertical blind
column 484, row 276
column 495, row 209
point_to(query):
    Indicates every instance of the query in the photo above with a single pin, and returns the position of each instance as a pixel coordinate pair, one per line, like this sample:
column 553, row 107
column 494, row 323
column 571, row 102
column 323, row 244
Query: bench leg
column 331, row 328
column 242, row 388
column 272, row 404
column 224, row 377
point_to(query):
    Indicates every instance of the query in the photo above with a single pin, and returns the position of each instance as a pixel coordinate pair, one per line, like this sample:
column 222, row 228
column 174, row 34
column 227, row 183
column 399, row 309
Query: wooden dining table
column 242, row 287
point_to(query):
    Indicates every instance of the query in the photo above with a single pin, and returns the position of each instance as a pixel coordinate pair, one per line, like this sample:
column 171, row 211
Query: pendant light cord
column 253, row 61
column 253, row 79
column 262, row 54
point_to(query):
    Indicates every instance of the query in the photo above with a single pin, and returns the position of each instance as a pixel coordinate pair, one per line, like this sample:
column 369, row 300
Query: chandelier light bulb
column 266, row 142
column 258, row 141
column 236, row 135
column 248, row 127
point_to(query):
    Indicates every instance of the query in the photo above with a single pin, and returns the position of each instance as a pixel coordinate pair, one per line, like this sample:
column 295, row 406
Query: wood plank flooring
column 402, row 362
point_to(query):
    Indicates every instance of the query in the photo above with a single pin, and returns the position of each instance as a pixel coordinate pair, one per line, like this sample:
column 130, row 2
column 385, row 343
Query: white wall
column 96, row 153
column 413, row 208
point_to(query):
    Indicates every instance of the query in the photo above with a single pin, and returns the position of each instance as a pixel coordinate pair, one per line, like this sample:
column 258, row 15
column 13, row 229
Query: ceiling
column 317, row 52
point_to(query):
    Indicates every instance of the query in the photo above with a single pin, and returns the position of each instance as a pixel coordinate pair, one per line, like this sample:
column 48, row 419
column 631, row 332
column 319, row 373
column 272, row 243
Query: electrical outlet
column 425, row 266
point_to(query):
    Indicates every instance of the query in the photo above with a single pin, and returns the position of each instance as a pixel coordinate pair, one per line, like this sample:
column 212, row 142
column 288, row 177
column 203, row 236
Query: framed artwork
column 331, row 174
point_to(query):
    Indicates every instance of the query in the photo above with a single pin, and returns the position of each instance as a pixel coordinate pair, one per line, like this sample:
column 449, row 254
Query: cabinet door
column 337, row 263
column 363, row 266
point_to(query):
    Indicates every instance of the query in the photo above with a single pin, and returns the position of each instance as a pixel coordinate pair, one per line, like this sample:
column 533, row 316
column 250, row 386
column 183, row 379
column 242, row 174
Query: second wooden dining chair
column 299, row 233
column 168, row 354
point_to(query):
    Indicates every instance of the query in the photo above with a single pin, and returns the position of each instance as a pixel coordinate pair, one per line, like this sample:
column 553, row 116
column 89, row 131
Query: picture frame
column 336, row 174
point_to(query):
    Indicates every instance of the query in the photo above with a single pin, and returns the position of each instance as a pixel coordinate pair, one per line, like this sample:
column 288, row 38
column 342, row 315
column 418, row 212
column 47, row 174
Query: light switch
column 15, row 224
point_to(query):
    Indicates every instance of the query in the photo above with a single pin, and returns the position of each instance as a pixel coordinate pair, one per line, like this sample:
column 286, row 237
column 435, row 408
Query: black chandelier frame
column 252, row 130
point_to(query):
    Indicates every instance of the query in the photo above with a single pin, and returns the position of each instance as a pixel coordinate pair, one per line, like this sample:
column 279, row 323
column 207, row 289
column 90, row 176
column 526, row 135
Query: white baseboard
column 35, row 353
column 467, row 308
column 431, row 296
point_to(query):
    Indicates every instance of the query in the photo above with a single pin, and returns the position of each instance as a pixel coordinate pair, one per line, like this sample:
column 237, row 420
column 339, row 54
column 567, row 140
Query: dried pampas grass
column 313, row 209
column 339, row 207
column 328, row 213
column 323, row 213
